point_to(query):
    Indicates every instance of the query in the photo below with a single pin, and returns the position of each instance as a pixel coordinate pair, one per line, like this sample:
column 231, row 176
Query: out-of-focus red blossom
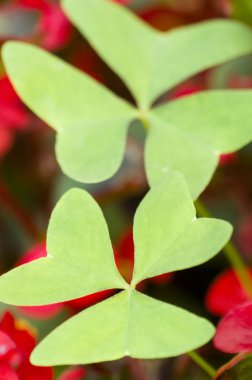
column 53, row 30
column 17, row 340
column 7, row 373
column 124, row 258
column 84, row 302
column 234, row 332
column 226, row 159
column 225, row 293
column 186, row 89
column 13, row 115
column 75, row 373
column 123, row 1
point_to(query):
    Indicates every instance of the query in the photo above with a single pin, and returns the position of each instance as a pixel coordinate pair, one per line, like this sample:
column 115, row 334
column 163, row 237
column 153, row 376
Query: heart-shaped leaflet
column 167, row 237
column 92, row 122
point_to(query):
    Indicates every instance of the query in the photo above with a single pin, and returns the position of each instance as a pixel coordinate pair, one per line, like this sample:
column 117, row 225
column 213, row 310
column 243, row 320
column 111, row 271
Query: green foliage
column 128, row 324
column 190, row 133
column 80, row 258
column 151, row 62
column 82, row 111
column 167, row 237
column 92, row 122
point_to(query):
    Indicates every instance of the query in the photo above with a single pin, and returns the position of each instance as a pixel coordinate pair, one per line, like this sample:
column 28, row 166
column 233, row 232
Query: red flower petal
column 54, row 29
column 186, row 89
column 234, row 332
column 123, row 1
column 36, row 252
column 27, row 371
column 6, row 140
column 224, row 293
column 13, row 114
column 74, row 373
column 20, row 332
column 6, row 345
column 90, row 300
column 226, row 159
column 7, row 373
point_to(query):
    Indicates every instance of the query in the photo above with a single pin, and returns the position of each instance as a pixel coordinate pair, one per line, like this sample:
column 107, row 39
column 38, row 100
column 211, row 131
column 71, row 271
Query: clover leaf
column 80, row 258
column 190, row 133
column 91, row 122
column 149, row 61
column 167, row 237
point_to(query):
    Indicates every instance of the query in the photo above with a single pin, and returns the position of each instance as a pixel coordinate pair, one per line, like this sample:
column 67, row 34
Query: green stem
column 232, row 255
column 202, row 363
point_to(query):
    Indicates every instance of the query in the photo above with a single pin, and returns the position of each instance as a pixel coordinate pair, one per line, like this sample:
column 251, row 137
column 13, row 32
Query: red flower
column 225, row 292
column 123, row 1
column 13, row 115
column 17, row 341
column 74, row 373
column 234, row 332
column 53, row 30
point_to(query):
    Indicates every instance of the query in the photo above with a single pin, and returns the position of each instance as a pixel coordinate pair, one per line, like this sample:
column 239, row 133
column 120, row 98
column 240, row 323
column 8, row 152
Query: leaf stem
column 144, row 119
column 232, row 255
column 202, row 363
column 24, row 219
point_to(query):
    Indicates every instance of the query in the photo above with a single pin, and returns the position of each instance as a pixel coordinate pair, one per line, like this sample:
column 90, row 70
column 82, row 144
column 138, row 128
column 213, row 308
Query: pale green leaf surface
column 91, row 121
column 80, row 258
column 167, row 235
column 148, row 61
column 128, row 324
column 167, row 148
column 189, row 134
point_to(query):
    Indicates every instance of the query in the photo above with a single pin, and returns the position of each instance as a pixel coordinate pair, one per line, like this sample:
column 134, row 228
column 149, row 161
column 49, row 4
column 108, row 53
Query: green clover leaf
column 151, row 62
column 127, row 324
column 77, row 245
column 190, row 133
column 167, row 237
column 91, row 122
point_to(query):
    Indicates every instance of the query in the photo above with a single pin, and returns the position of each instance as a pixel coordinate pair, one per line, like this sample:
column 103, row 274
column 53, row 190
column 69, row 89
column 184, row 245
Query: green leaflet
column 80, row 261
column 186, row 135
column 77, row 244
column 128, row 324
column 148, row 61
column 167, row 235
column 91, row 121
column 189, row 134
